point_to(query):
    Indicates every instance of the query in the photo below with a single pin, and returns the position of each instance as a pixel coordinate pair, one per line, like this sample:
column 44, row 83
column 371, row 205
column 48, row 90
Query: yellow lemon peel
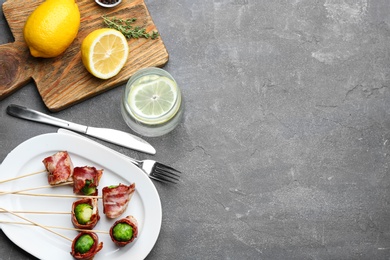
column 51, row 28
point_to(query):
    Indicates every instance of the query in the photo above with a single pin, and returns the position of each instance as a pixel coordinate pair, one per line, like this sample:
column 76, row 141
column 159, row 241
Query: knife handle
column 33, row 115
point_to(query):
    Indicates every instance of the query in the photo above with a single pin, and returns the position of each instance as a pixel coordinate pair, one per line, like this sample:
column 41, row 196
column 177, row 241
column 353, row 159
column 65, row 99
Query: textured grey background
column 285, row 142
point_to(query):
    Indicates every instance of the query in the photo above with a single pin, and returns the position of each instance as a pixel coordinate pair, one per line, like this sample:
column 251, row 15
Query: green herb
column 127, row 29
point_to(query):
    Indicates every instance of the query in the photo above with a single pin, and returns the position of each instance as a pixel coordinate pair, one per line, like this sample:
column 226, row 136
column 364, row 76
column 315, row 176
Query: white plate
column 145, row 204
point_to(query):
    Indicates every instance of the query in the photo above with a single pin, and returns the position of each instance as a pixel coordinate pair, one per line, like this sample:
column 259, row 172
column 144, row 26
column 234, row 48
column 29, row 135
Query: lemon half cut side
column 104, row 52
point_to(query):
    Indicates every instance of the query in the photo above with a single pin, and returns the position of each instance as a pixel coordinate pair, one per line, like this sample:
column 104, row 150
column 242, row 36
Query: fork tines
column 165, row 173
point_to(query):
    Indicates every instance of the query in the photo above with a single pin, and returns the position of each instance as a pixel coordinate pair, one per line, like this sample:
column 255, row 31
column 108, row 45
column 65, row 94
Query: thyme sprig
column 127, row 29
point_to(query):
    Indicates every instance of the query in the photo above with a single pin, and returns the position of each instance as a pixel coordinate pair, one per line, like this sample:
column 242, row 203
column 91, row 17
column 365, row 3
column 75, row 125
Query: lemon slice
column 154, row 99
column 104, row 52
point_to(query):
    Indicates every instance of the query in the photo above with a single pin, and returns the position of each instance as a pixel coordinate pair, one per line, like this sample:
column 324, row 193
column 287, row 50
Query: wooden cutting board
column 63, row 81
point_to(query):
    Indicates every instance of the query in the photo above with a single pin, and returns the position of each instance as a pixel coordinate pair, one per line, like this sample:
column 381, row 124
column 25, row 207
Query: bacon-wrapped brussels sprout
column 86, row 180
column 85, row 213
column 124, row 231
column 85, row 246
column 59, row 167
column 116, row 198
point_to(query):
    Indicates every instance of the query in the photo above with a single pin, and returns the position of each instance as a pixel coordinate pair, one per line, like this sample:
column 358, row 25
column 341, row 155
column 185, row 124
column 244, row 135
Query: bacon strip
column 132, row 221
column 86, row 177
column 95, row 213
column 59, row 167
column 92, row 252
column 116, row 199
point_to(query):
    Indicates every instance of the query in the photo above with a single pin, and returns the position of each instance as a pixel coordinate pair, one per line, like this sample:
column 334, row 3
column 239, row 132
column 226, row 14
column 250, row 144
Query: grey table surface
column 284, row 146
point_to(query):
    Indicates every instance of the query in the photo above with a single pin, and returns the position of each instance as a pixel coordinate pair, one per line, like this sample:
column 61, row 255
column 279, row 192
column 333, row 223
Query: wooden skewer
column 37, row 224
column 56, row 195
column 36, row 188
column 37, row 212
column 55, row 227
column 22, row 176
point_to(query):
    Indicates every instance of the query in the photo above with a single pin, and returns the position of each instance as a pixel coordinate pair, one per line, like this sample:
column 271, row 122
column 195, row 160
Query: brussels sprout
column 88, row 189
column 83, row 213
column 122, row 232
column 84, row 244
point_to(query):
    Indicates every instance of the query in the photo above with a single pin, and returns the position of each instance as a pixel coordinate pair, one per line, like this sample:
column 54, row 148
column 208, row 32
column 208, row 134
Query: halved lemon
column 104, row 52
column 154, row 99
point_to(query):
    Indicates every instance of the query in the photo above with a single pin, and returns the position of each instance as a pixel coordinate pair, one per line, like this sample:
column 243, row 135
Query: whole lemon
column 52, row 27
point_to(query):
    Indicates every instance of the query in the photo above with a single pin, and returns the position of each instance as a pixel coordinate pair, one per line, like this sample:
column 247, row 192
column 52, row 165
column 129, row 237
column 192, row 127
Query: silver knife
column 110, row 135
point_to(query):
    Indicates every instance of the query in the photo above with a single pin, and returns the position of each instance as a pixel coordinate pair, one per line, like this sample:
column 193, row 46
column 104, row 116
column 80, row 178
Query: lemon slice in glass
column 154, row 99
column 104, row 52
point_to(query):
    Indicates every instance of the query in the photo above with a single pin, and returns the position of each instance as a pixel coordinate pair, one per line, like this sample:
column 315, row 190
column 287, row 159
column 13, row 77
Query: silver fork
column 155, row 170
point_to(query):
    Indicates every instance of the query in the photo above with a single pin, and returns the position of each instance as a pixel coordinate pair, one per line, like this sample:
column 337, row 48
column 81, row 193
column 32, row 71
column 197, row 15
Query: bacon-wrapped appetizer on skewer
column 85, row 213
column 124, row 231
column 86, row 180
column 116, row 198
column 59, row 167
column 86, row 245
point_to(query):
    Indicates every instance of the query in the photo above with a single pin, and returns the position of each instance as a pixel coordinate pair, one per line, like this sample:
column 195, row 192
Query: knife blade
column 110, row 135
